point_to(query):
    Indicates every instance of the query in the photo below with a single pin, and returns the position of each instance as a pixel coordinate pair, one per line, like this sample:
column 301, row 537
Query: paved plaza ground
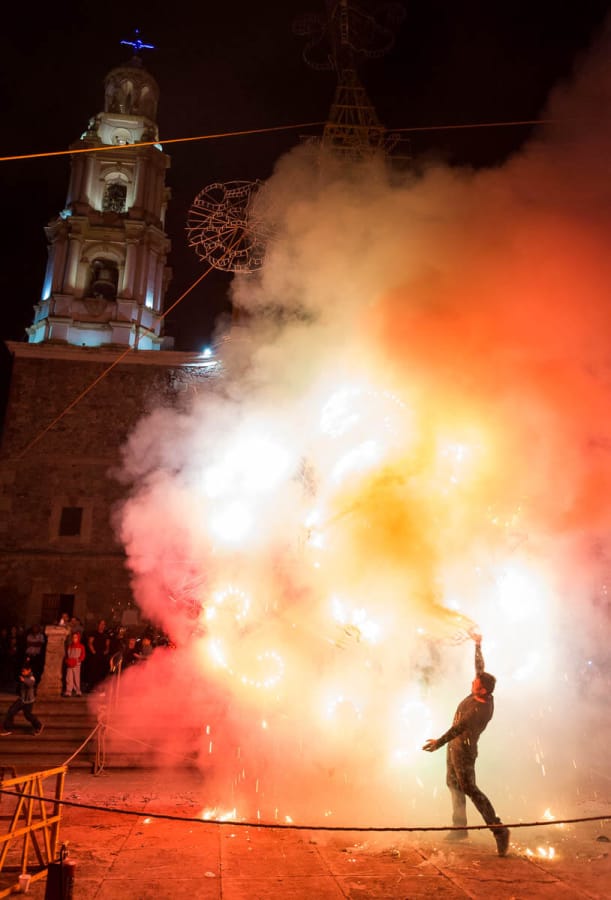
column 140, row 857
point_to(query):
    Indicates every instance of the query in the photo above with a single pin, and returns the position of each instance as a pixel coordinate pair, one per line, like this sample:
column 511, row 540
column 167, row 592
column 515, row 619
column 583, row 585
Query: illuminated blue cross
column 137, row 44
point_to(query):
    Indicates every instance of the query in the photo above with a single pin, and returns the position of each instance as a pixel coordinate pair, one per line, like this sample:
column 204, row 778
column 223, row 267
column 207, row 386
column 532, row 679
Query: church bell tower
column 106, row 274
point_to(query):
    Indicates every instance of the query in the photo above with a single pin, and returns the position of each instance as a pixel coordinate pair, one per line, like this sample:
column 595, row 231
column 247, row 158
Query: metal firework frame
column 222, row 228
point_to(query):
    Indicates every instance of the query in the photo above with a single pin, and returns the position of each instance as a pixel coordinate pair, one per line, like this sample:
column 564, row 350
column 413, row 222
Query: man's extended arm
column 451, row 733
column 479, row 658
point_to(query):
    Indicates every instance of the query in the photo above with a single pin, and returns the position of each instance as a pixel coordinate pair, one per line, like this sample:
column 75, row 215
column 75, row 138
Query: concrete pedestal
column 51, row 681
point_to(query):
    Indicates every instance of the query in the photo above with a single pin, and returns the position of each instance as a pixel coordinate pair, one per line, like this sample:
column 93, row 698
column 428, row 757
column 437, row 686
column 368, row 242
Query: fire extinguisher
column 60, row 877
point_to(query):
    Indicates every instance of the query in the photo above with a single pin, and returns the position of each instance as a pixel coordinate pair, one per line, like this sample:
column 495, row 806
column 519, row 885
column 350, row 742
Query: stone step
column 68, row 722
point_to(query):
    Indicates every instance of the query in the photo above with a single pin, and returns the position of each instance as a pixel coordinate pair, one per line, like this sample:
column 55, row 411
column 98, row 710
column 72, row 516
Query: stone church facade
column 96, row 360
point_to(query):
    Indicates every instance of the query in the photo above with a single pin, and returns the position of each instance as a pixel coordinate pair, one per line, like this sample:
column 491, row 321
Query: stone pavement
column 143, row 857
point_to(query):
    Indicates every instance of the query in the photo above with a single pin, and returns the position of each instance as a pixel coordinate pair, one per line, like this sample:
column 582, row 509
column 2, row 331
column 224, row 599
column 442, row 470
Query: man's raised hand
column 430, row 745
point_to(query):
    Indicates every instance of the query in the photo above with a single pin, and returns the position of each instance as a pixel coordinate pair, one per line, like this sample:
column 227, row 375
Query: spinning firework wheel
column 223, row 229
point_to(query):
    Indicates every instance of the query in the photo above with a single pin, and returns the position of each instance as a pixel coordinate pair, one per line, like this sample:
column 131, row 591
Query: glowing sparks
column 342, row 709
column 272, row 665
column 359, row 459
column 355, row 622
column 340, row 413
column 354, row 413
column 252, row 465
column 269, row 666
column 215, row 814
column 410, row 727
column 546, row 852
column 324, row 588
column 235, row 598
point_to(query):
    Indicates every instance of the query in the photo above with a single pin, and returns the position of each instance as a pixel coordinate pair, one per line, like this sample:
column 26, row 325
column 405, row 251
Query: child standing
column 24, row 702
column 75, row 654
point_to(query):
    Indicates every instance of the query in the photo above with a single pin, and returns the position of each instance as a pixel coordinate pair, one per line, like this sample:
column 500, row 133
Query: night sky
column 233, row 66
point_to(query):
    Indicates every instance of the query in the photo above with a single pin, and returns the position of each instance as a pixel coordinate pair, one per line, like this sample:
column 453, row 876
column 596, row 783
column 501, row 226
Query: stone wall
column 73, row 464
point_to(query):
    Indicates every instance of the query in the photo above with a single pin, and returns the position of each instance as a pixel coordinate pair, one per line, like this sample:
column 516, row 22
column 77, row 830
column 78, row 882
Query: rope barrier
column 83, row 745
column 100, row 749
column 293, row 827
column 134, row 740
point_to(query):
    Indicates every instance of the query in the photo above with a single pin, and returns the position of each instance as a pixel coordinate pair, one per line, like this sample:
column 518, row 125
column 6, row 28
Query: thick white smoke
column 409, row 435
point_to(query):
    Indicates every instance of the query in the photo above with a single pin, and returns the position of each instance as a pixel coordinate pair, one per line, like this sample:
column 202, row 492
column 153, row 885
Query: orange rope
column 201, row 137
column 478, row 125
column 225, row 134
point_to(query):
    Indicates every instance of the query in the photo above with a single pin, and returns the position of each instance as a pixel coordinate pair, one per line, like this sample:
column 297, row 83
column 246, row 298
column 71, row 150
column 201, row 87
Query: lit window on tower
column 104, row 279
column 115, row 196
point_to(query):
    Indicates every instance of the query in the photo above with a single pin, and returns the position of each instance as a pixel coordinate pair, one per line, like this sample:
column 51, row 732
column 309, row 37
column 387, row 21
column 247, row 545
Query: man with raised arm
column 470, row 719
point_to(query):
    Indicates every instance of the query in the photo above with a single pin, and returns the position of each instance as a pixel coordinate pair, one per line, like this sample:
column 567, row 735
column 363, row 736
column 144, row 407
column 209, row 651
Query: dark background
column 232, row 66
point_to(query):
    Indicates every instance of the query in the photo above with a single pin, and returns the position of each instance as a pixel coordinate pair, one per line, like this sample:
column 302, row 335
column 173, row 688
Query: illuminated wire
column 478, row 125
column 226, row 134
column 200, row 137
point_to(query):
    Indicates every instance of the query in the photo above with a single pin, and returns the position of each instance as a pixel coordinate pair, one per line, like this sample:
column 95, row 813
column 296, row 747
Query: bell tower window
column 104, row 279
column 115, row 197
column 122, row 136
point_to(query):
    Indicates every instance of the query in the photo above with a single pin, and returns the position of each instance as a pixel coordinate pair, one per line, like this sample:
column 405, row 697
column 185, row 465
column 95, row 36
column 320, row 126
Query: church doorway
column 53, row 605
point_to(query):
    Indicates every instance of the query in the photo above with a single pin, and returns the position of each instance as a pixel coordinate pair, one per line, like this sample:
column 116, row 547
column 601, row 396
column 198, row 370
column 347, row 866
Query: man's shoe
column 460, row 834
column 38, row 731
column 4, row 732
column 501, row 836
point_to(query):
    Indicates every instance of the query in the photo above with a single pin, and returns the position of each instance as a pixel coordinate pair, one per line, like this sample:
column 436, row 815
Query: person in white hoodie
column 75, row 654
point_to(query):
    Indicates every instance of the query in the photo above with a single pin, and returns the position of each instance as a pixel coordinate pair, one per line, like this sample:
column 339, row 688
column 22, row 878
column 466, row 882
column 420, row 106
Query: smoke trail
column 410, row 436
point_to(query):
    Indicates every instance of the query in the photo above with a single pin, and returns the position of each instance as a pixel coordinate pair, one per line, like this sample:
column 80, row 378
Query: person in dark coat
column 98, row 655
column 24, row 702
column 470, row 719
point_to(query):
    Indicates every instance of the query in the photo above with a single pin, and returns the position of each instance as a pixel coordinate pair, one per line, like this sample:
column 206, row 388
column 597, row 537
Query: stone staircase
column 67, row 724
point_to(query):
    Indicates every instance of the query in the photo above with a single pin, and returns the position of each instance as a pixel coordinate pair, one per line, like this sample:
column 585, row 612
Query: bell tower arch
column 107, row 271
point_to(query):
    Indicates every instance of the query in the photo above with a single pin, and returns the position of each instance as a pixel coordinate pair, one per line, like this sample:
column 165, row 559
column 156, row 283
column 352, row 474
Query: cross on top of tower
column 138, row 44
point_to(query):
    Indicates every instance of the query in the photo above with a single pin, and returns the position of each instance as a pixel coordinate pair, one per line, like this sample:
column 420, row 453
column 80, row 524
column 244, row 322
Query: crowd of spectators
column 106, row 650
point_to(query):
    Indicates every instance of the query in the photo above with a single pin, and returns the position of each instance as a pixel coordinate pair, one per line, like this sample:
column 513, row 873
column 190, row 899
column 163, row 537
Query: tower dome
column 130, row 90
